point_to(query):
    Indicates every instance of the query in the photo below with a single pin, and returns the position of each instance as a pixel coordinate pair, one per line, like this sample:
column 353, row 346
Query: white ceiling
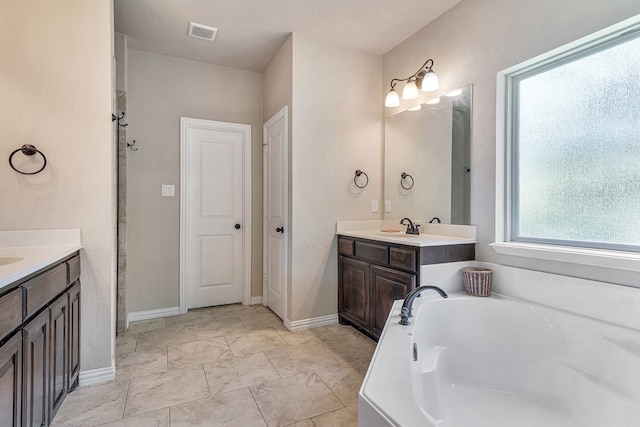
column 250, row 32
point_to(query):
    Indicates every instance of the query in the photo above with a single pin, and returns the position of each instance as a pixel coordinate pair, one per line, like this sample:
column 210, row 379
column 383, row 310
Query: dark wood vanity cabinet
column 74, row 335
column 36, row 340
column 373, row 274
column 387, row 285
column 354, row 295
column 40, row 362
column 11, row 382
column 59, row 357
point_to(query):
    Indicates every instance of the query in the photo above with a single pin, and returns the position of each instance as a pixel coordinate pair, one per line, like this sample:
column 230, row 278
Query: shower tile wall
column 122, row 220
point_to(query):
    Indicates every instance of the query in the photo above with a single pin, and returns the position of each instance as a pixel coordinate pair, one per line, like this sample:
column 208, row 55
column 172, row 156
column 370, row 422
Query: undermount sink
column 6, row 260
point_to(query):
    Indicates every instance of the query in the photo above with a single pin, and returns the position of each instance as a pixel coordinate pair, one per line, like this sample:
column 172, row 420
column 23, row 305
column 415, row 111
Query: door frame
column 190, row 123
column 284, row 115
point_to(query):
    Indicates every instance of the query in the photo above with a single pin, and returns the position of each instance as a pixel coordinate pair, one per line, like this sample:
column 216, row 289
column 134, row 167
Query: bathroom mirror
column 427, row 160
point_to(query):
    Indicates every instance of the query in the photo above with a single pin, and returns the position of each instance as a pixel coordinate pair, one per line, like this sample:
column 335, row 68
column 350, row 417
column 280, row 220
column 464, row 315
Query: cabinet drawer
column 40, row 290
column 449, row 253
column 372, row 252
column 405, row 259
column 73, row 267
column 345, row 246
column 10, row 312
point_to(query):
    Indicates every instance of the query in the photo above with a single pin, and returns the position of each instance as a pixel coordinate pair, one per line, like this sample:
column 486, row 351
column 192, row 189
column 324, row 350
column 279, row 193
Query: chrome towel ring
column 28, row 150
column 355, row 179
column 405, row 176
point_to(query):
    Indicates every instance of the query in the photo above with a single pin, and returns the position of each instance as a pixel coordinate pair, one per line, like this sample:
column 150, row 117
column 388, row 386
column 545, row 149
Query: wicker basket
column 477, row 281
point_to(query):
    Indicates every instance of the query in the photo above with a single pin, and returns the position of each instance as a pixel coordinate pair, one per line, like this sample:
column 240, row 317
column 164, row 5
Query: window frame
column 506, row 240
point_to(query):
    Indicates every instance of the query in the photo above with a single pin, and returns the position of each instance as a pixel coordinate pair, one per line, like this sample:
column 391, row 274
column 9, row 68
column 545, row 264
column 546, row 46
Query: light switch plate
column 168, row 190
column 387, row 205
column 374, row 206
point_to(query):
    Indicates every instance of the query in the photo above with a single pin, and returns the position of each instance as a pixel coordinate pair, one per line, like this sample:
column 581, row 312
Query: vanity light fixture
column 425, row 78
column 410, row 90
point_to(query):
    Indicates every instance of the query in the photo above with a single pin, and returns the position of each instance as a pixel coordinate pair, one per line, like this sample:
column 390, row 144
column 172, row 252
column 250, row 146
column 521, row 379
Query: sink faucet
column 411, row 227
column 405, row 313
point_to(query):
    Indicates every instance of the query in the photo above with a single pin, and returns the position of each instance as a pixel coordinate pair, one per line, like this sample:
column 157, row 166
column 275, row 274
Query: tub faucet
column 411, row 227
column 405, row 313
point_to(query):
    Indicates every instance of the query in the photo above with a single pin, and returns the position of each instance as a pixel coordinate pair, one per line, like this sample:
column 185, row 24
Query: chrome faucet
column 405, row 313
column 411, row 227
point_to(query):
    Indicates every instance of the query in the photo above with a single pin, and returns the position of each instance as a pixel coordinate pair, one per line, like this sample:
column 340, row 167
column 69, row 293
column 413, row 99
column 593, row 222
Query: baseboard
column 152, row 314
column 256, row 300
column 96, row 376
column 314, row 322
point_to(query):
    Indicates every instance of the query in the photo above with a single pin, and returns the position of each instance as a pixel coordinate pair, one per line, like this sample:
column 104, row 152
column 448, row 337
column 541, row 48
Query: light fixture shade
column 430, row 82
column 392, row 99
column 410, row 90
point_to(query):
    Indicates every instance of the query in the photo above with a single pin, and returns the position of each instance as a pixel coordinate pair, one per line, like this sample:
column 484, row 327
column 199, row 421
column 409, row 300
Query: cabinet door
column 388, row 285
column 11, row 382
column 74, row 336
column 354, row 291
column 58, row 357
column 36, row 362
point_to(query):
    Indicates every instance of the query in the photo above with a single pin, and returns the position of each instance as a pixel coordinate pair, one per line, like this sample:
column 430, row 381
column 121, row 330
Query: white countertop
column 37, row 248
column 431, row 234
column 408, row 239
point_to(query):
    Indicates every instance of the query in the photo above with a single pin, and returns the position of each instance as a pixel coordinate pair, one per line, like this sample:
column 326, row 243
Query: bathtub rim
column 395, row 389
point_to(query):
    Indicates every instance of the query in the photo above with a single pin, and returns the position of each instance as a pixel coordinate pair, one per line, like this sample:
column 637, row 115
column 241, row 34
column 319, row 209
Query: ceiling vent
column 202, row 31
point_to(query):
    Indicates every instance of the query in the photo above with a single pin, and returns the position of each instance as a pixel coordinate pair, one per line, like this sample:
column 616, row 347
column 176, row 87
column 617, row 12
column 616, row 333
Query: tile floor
column 227, row 366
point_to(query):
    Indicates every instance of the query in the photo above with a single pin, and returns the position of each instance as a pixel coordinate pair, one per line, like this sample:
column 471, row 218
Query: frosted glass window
column 576, row 150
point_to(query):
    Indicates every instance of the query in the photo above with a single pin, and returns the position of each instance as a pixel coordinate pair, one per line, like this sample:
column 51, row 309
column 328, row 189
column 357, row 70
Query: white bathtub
column 499, row 362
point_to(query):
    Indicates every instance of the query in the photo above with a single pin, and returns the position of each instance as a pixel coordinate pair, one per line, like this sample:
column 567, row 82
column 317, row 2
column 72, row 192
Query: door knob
column 280, row 230
column 237, row 226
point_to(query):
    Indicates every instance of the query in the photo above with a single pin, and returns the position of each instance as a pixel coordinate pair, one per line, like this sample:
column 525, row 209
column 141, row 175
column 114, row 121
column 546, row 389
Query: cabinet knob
column 280, row 230
column 237, row 226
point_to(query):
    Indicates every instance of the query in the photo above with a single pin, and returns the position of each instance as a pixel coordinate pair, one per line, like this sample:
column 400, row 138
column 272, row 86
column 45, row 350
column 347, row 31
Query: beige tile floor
column 227, row 366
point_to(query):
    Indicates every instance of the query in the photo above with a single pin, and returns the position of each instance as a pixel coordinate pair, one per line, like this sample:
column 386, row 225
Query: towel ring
column 404, row 176
column 358, row 173
column 28, row 150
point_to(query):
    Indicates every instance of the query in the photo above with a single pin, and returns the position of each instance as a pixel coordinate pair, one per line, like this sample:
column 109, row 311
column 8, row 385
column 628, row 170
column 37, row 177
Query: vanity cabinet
column 36, row 339
column 11, row 382
column 354, row 295
column 387, row 285
column 74, row 335
column 373, row 274
column 40, row 355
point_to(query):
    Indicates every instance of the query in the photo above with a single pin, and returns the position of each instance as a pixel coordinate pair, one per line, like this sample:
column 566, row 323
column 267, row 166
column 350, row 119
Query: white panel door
column 275, row 213
column 214, row 211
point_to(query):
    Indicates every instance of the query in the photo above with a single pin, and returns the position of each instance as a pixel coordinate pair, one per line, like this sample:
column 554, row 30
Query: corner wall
column 56, row 93
column 336, row 129
column 471, row 43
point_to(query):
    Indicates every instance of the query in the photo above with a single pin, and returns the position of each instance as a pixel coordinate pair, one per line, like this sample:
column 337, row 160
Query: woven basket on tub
column 477, row 281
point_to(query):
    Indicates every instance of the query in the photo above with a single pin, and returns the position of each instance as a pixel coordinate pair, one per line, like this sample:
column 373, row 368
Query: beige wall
column 278, row 81
column 472, row 42
column 161, row 89
column 336, row 129
column 55, row 92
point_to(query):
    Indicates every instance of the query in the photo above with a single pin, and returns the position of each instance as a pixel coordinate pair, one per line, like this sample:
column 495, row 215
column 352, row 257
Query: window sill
column 596, row 257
